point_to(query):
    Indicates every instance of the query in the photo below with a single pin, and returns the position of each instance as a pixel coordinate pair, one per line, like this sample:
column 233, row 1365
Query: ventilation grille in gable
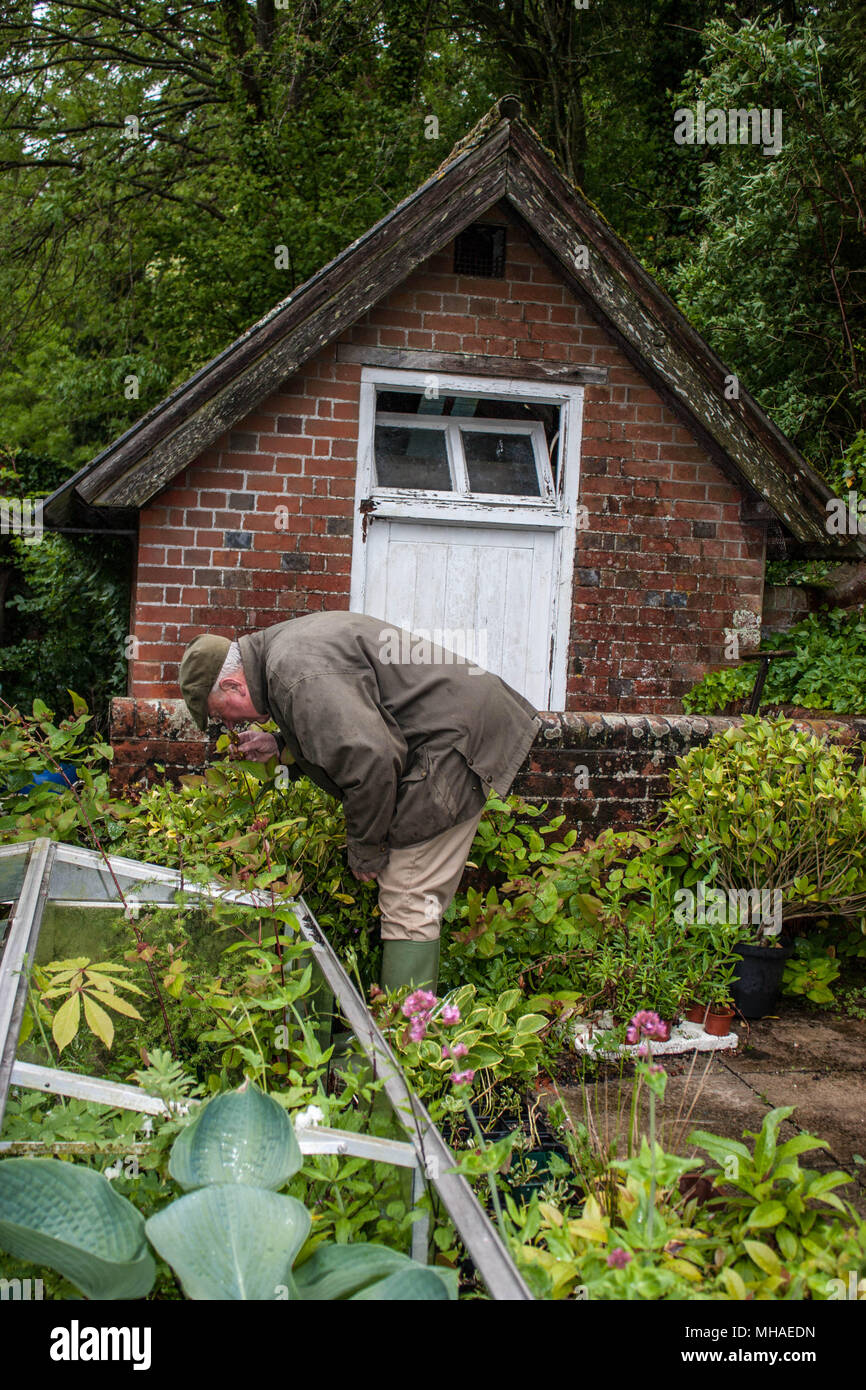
column 480, row 250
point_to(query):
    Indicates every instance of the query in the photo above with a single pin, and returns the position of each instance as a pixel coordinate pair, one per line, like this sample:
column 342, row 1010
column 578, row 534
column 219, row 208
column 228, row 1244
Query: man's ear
column 235, row 684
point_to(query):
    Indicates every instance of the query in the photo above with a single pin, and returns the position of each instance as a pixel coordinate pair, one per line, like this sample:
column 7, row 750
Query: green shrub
column 767, row 806
column 30, row 744
column 770, row 1230
column 826, row 672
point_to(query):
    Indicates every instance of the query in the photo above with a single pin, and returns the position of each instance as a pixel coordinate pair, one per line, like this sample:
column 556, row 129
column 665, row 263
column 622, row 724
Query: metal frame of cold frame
column 69, row 874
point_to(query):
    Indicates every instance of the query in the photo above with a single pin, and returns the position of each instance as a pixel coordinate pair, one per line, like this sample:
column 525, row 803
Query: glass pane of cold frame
column 73, row 933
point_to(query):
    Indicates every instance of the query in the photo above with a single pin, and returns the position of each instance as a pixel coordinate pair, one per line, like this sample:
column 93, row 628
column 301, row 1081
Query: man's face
column 233, row 704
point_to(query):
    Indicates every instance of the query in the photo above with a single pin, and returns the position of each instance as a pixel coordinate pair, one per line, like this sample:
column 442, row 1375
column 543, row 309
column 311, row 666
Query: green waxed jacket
column 410, row 746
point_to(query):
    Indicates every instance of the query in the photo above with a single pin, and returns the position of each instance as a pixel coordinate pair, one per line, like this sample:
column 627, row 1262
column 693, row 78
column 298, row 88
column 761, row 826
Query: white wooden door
column 487, row 592
column 464, row 526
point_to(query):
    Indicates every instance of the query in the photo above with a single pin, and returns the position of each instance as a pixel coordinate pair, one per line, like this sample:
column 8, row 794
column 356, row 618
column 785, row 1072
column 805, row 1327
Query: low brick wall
column 595, row 769
column 148, row 734
column 602, row 770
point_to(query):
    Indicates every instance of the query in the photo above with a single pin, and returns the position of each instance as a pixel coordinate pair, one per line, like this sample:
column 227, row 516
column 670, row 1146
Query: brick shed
column 482, row 419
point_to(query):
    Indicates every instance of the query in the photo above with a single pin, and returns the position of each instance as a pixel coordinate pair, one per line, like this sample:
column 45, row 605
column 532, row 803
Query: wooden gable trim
column 472, row 364
column 501, row 157
column 662, row 345
column 272, row 350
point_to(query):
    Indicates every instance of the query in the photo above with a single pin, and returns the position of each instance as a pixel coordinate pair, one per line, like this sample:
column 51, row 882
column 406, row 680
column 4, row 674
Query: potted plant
column 758, row 978
column 718, row 1019
column 709, row 974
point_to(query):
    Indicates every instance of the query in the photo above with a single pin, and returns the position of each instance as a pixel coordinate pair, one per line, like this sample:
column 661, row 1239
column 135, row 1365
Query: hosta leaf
column 414, row 1283
column 343, row 1271
column 98, row 1021
column 241, row 1137
column 231, row 1241
column 69, row 1218
column 66, row 1022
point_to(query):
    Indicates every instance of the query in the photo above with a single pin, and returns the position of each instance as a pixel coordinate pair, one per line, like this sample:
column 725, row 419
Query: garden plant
column 216, row 1010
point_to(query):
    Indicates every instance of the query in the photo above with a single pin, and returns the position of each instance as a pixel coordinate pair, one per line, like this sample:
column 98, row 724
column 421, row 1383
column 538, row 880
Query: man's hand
column 254, row 745
column 364, row 878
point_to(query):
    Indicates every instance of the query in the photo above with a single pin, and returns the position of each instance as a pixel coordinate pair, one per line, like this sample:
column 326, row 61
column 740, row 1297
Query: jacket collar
column 251, row 656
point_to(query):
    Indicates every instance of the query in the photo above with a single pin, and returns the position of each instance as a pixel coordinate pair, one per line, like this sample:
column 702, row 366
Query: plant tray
column 685, row 1037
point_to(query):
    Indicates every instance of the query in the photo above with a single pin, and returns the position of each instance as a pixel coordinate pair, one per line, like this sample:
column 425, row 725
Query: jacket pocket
column 424, row 806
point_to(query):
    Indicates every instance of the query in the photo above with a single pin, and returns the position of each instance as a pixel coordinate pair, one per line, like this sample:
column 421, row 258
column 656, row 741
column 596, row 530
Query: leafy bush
column 30, row 745
column 769, row 1230
column 767, row 806
column 826, row 672
column 594, row 931
column 66, row 620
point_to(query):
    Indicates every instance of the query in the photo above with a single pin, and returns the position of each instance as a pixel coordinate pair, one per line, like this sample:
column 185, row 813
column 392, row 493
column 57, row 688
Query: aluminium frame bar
column 20, row 944
column 436, row 1162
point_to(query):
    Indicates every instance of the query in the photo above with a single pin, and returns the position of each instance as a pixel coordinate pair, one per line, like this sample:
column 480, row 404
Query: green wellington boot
column 413, row 963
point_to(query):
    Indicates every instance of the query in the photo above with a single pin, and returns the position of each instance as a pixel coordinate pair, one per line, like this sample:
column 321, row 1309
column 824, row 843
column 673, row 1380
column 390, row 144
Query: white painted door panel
column 495, row 584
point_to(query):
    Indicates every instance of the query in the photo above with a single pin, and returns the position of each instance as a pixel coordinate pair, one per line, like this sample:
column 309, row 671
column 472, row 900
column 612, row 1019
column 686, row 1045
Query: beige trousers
column 418, row 883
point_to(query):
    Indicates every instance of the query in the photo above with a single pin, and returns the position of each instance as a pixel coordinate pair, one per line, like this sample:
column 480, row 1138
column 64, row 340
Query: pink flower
column 418, row 1002
column 618, row 1258
column 646, row 1024
column 463, row 1078
column 450, row 1014
column 459, row 1050
column 418, row 1028
column 656, row 1070
column 446, row 1052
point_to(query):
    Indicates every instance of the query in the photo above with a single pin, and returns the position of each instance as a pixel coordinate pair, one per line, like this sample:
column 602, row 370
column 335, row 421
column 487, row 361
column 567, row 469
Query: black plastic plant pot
column 758, row 979
column 541, row 1158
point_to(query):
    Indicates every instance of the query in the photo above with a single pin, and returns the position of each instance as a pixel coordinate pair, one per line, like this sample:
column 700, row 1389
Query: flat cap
column 200, row 665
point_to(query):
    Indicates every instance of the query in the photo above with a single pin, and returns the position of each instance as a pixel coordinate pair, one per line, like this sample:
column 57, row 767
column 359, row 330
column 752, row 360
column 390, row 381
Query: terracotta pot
column 696, row 1013
column 718, row 1023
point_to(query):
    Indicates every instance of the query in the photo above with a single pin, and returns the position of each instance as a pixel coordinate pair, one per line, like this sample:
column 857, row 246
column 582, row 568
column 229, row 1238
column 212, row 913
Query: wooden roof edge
column 122, row 448
column 501, row 128
column 660, row 304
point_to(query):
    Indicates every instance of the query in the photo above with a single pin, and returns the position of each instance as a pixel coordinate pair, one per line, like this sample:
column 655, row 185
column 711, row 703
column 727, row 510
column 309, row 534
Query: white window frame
column 453, row 426
column 556, row 508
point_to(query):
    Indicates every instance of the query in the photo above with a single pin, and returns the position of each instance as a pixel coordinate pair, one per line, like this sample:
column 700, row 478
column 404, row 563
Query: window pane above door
column 502, row 463
column 412, row 457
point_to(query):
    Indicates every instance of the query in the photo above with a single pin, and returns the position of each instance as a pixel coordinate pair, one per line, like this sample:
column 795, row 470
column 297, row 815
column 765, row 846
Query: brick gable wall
column 665, row 563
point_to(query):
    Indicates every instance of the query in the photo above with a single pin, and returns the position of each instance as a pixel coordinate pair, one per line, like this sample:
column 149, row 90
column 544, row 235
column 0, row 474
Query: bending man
column 410, row 737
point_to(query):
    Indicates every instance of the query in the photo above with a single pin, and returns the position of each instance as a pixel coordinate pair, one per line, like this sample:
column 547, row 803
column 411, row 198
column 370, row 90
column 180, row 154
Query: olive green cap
column 200, row 665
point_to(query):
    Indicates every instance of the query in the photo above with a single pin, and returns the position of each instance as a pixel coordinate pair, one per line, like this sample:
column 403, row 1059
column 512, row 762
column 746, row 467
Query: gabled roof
column 501, row 158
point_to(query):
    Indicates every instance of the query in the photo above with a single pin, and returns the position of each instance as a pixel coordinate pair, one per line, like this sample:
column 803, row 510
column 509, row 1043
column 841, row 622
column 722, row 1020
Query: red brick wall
column 658, row 575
